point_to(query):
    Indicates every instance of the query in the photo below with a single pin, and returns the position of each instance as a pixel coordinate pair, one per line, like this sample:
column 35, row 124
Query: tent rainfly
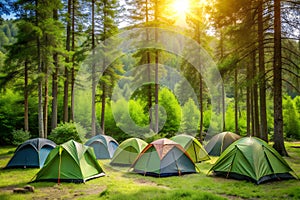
column 104, row 146
column 31, row 154
column 70, row 162
column 163, row 158
column 218, row 143
column 252, row 159
column 128, row 151
column 192, row 146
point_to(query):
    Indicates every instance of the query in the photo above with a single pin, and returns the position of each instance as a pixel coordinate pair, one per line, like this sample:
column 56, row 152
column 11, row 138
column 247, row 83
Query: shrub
column 19, row 136
column 67, row 131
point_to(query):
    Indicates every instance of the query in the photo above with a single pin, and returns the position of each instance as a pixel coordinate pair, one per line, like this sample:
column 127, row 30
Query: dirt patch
column 57, row 192
column 149, row 183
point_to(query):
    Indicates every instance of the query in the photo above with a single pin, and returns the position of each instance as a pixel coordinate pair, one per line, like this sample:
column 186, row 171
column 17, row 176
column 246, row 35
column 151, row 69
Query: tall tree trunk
column 73, row 63
column 201, row 106
column 277, row 82
column 26, row 124
column 40, row 81
column 236, row 101
column 66, row 83
column 54, row 92
column 223, row 108
column 156, row 66
column 262, row 82
column 54, row 83
column 255, row 97
column 198, row 40
column 223, row 88
column 46, row 102
column 93, row 73
column 103, row 102
column 149, row 69
column 248, row 101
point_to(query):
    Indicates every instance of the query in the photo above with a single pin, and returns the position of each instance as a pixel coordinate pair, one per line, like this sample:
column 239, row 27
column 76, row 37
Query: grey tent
column 31, row 154
column 104, row 146
column 218, row 143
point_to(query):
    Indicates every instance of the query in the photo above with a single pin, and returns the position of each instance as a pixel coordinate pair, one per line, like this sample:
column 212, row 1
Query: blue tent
column 31, row 154
column 104, row 146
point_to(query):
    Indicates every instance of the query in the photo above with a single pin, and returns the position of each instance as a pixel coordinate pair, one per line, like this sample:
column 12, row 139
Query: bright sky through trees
column 180, row 8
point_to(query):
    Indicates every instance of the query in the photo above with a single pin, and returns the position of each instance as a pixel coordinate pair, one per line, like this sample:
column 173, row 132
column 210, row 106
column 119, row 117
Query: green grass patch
column 121, row 184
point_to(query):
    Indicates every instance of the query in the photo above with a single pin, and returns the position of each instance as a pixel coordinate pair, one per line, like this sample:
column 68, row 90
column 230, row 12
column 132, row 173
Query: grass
column 120, row 184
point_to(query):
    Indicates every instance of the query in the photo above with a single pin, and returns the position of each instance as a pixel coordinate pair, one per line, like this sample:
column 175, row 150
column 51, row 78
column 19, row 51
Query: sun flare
column 181, row 6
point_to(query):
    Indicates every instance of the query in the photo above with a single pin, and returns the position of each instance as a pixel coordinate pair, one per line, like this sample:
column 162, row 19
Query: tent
column 104, row 146
column 31, row 154
column 192, row 146
column 70, row 162
column 127, row 152
column 218, row 143
column 163, row 158
column 252, row 159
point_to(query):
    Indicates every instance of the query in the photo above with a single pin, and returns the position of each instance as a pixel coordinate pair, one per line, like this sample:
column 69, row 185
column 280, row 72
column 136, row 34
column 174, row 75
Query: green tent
column 127, row 151
column 218, row 143
column 163, row 158
column 104, row 146
column 252, row 159
column 70, row 162
column 192, row 146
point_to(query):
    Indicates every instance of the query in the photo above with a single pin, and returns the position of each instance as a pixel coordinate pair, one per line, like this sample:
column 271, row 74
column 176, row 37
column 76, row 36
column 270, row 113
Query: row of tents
column 246, row 158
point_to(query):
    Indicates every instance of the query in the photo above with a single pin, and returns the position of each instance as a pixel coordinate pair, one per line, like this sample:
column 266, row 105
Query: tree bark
column 66, row 83
column 156, row 67
column 54, row 92
column 255, row 97
column 54, row 83
column 46, row 102
column 277, row 82
column 40, row 80
column 262, row 80
column 149, row 69
column 93, row 73
column 103, row 102
column 26, row 124
column 248, row 101
column 73, row 63
column 236, row 101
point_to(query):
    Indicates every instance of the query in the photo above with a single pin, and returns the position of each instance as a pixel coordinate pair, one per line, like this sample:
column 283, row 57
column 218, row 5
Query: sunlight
column 181, row 6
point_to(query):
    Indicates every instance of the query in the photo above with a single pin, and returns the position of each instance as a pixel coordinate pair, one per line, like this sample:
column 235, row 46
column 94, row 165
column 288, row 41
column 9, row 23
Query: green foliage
column 19, row 136
column 67, row 131
column 7, row 32
column 168, row 101
column 130, row 117
column 291, row 119
column 190, row 117
column 10, row 116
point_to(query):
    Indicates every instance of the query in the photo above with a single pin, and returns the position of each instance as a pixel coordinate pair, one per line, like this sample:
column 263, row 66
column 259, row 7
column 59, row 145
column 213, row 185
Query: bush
column 19, row 136
column 67, row 131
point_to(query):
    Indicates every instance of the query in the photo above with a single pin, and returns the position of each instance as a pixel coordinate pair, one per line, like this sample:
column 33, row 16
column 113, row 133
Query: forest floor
column 121, row 184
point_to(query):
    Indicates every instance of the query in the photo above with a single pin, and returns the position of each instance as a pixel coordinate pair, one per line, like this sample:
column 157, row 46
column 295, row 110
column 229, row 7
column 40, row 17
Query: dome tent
column 252, row 159
column 127, row 151
column 192, row 146
column 104, row 146
column 218, row 143
column 163, row 158
column 70, row 162
column 31, row 154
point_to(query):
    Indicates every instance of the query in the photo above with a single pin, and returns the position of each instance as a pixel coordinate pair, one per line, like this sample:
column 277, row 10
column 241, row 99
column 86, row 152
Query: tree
column 277, row 82
column 190, row 117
